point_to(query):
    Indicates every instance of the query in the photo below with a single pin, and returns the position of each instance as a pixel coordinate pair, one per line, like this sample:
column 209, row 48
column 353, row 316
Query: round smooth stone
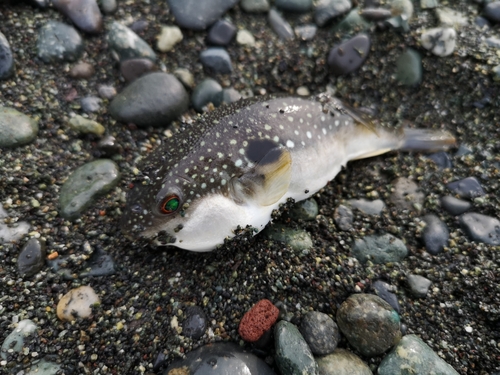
column 107, row 92
column 467, row 188
column 85, row 14
column 216, row 59
column 481, row 228
column 6, row 58
column 419, row 285
column 298, row 240
column 492, row 11
column 455, row 206
column 350, row 55
column 12, row 232
column 77, row 303
column 352, row 23
column 280, row 26
column 132, row 69
column 155, row 99
column 343, row 217
column 198, row 15
column 109, row 6
column 294, row 6
column 126, row 44
column 326, row 10
column 368, row 207
column 16, row 129
column 226, row 96
column 91, row 104
column 409, row 68
column 32, row 257
column 255, row 6
column 379, row 249
column 82, row 70
column 221, row 33
column 85, row 126
column 342, row 362
column 85, row 185
column 195, row 324
column 441, row 41
column 58, row 42
column 245, row 38
column 320, row 332
column 435, row 235
column 305, row 210
column 206, row 92
column 168, row 38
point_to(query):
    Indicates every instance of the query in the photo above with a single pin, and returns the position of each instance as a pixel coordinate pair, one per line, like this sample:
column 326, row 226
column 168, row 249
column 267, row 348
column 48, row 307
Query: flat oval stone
column 126, row 44
column 85, row 185
column 350, row 55
column 481, row 228
column 419, row 285
column 58, row 42
column 385, row 291
column 77, row 303
column 369, row 324
column 219, row 359
column 82, row 70
column 441, row 41
column 379, row 249
column 155, row 99
column 195, row 324
column 294, row 6
column 409, row 68
column 376, row 14
column 416, row 357
column 368, row 207
column 435, row 235
column 16, row 129
column 221, row 33
column 32, row 257
column 326, row 10
column 467, row 188
column 131, row 69
column 85, row 14
column 454, row 205
column 255, row 6
column 85, row 126
column 15, row 340
column 442, row 160
column 217, row 60
column 198, row 15
column 342, row 362
column 280, row 26
column 320, row 332
column 6, row 58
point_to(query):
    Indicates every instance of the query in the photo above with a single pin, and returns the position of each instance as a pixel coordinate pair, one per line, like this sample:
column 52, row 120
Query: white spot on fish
column 290, row 144
column 238, row 163
column 309, row 135
column 267, row 127
column 290, row 118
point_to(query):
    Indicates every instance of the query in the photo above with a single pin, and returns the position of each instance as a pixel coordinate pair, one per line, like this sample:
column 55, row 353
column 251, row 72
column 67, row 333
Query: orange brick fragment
column 258, row 320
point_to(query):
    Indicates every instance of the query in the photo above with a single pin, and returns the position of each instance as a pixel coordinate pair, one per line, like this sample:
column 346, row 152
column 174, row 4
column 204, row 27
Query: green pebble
column 409, row 68
column 352, row 23
column 428, row 4
column 86, row 126
column 305, row 210
column 298, row 240
column 85, row 185
column 16, row 129
column 379, row 249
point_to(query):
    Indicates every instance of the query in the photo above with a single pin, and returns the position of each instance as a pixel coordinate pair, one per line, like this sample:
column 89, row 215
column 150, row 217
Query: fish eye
column 169, row 204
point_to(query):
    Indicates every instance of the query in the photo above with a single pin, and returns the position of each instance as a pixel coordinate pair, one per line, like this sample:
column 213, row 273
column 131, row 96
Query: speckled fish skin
column 240, row 162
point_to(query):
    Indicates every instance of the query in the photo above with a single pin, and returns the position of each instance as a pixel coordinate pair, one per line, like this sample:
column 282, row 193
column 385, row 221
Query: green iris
column 170, row 204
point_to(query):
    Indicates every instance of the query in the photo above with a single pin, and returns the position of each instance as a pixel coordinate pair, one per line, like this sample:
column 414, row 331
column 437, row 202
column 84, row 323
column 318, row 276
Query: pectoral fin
column 267, row 181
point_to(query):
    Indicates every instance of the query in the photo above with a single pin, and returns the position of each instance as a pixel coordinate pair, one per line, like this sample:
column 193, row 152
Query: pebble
column 352, row 23
column 205, row 92
column 342, row 362
column 379, row 249
column 343, row 217
column 279, row 25
column 185, row 77
column 402, row 8
column 107, row 92
column 108, row 6
column 492, row 11
column 6, row 58
column 85, row 185
column 406, row 194
column 32, row 257
column 16, row 129
column 131, row 69
column 326, row 10
column 469, row 188
column 385, row 291
column 481, row 22
column 168, row 38
column 258, row 320
column 492, row 41
column 83, row 125
column 442, row 160
column 245, row 38
column 306, row 32
column 126, row 44
column 58, row 42
column 12, row 232
column 409, row 68
column 369, row 323
column 435, row 234
column 320, row 332
column 198, row 15
column 441, row 41
column 108, row 146
column 14, row 342
column 99, row 264
column 44, row 367
column 305, row 210
column 255, row 6
column 85, row 14
column 350, row 55
column 82, row 70
column 226, row 96
column 220, row 358
column 454, row 206
column 77, row 303
column 368, row 207
column 90, row 104
column 216, row 59
column 451, row 17
column 481, row 228
column 376, row 14
column 294, row 6
column 155, row 99
column 419, row 285
column 221, row 33
column 195, row 323
column 415, row 357
column 429, row 4
column 293, row 355
column 297, row 239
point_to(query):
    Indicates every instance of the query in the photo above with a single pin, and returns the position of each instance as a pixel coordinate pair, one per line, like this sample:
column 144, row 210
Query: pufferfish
column 241, row 161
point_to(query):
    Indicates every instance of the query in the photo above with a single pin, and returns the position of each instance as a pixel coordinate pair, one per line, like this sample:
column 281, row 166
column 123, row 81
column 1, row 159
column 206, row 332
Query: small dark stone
column 216, row 59
column 442, row 160
column 32, row 257
column 350, row 55
column 198, row 15
column 492, row 11
column 295, row 6
column 195, row 324
column 481, row 228
column 320, row 332
column 376, row 14
column 221, row 33
column 205, row 92
column 481, row 22
column 467, row 188
column 108, row 146
column 436, row 234
column 100, row 264
column 463, row 150
column 159, row 362
column 280, row 26
column 6, row 59
column 455, row 206
column 132, row 69
column 384, row 291
column 85, row 14
column 139, row 25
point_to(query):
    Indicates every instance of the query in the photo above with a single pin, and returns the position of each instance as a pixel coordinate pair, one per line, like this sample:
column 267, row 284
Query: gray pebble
column 107, row 92
column 82, row 70
column 90, row 104
column 195, row 324
column 108, row 6
column 376, row 14
column 350, row 55
column 216, row 59
column 454, row 206
column 198, row 15
column 131, row 69
column 328, row 9
column 205, row 92
column 306, row 32
column 255, row 6
column 343, row 217
column 379, row 249
column 155, row 99
column 15, row 341
column 280, row 26
column 492, row 11
column 467, row 188
column 126, row 44
column 320, row 332
column 109, row 146
column 435, row 235
column 419, row 285
column 352, row 23
column 406, row 194
column 442, row 160
column 305, row 210
column 368, row 207
column 99, row 264
column 221, row 33
column 16, row 129
column 369, row 324
column 85, row 14
column 12, row 232
column 385, row 291
column 226, row 96
column 85, row 185
column 295, row 6
column 32, row 257
column 6, row 58
column 58, row 42
column 409, row 68
column 481, row 228
column 342, row 362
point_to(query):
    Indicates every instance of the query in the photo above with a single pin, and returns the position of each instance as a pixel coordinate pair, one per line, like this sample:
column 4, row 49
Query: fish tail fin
column 426, row 140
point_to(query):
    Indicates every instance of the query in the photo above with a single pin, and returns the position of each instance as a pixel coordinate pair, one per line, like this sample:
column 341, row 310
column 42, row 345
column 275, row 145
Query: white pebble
column 441, row 41
column 244, row 37
column 168, row 38
column 77, row 303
